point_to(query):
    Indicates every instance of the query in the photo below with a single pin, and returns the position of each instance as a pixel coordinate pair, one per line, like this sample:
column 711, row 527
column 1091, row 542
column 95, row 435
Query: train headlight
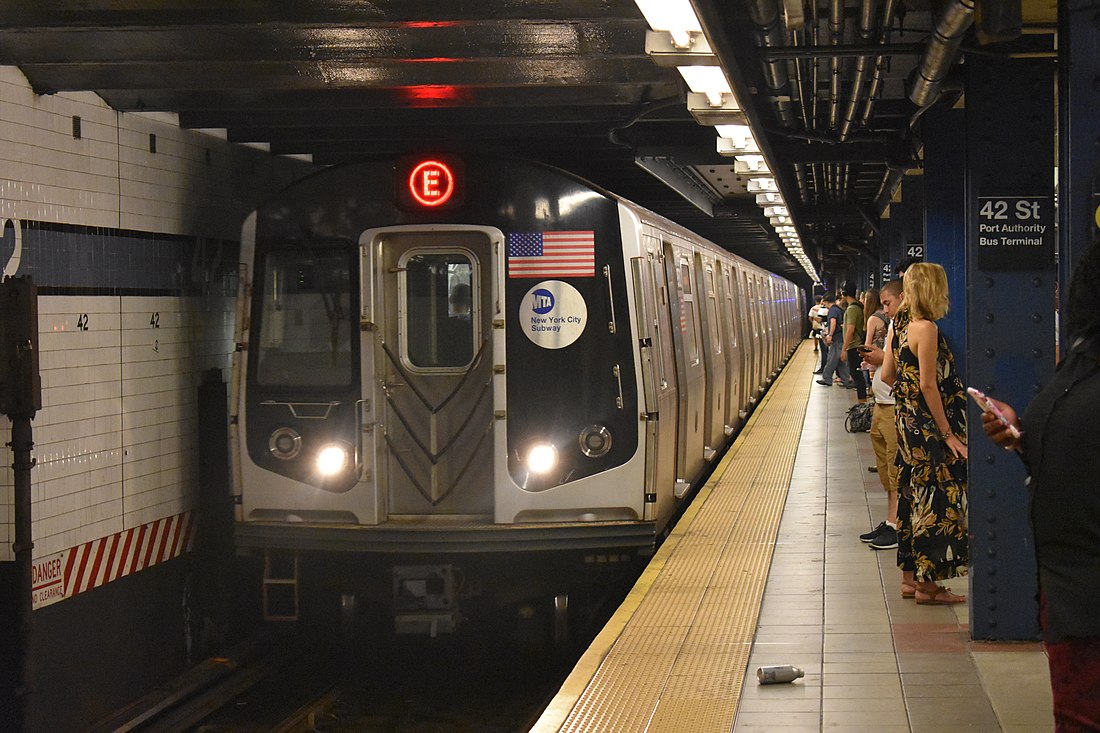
column 542, row 458
column 332, row 460
column 285, row 444
column 595, row 441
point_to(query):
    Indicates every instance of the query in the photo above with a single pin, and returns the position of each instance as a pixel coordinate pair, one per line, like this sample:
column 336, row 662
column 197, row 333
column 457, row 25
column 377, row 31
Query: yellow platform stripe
column 673, row 656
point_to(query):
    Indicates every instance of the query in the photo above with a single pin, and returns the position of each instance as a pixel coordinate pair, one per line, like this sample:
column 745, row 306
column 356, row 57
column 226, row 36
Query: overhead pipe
column 820, row 171
column 836, row 35
column 880, row 61
column 943, row 48
column 805, row 174
column 866, row 35
column 772, row 34
column 845, row 51
column 815, row 79
column 891, row 179
column 798, row 40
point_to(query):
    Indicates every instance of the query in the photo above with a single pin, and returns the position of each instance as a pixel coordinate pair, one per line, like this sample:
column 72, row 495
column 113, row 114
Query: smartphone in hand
column 987, row 406
column 863, row 349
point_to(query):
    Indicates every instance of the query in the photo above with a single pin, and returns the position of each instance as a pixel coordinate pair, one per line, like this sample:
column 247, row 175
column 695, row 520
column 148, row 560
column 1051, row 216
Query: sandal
column 940, row 596
column 908, row 590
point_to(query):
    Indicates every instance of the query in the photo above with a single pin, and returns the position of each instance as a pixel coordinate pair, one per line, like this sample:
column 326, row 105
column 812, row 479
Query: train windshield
column 305, row 329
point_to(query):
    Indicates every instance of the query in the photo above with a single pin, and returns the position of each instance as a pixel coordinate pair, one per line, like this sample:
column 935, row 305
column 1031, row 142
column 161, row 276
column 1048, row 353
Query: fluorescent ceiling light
column 762, row 185
column 766, row 199
column 665, row 50
column 708, row 80
column 751, row 165
column 734, row 132
column 736, row 139
column 675, row 16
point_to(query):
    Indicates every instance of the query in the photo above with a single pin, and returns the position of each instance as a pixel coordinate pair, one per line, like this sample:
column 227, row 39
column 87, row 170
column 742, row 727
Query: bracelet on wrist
column 945, row 434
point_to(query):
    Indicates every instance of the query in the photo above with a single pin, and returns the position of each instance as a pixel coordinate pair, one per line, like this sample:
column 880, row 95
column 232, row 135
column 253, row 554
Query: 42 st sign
column 1015, row 232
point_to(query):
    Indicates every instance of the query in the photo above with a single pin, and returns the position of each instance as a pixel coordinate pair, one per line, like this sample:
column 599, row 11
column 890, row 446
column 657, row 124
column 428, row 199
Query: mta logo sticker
column 543, row 301
column 553, row 314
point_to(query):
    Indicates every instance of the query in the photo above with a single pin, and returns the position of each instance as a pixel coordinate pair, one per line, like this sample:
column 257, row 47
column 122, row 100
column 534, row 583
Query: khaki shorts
column 884, row 439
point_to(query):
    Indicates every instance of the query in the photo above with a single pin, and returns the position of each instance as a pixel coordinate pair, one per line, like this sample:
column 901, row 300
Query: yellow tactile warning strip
column 673, row 656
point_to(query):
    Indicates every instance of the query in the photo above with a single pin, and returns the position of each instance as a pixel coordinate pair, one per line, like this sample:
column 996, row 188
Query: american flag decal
column 551, row 254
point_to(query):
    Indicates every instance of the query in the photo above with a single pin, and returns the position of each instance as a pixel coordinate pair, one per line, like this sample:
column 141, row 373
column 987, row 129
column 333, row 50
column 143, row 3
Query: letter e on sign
column 431, row 183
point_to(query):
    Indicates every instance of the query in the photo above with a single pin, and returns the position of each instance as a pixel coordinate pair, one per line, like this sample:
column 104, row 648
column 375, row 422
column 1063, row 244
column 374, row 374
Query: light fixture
column 735, row 132
column 762, row 185
column 595, row 441
column 665, row 50
column 736, row 140
column 542, row 458
column 707, row 111
column 676, row 38
column 285, row 443
column 675, row 16
column 710, row 81
column 332, row 459
column 751, row 165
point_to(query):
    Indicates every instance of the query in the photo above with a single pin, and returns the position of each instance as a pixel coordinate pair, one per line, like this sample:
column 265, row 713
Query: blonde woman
column 930, row 412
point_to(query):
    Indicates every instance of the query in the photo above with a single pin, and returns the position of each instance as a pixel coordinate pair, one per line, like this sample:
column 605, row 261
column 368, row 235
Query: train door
column 754, row 331
column 765, row 340
column 658, row 379
column 775, row 327
column 689, row 365
column 713, row 362
column 433, row 370
column 744, row 325
column 727, row 292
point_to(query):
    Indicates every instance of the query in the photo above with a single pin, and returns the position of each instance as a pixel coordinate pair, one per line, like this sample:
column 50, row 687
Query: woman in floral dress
column 930, row 411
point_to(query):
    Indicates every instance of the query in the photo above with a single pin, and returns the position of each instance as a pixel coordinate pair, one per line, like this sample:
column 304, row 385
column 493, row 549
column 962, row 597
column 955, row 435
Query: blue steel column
column 945, row 215
column 1010, row 327
column 1079, row 132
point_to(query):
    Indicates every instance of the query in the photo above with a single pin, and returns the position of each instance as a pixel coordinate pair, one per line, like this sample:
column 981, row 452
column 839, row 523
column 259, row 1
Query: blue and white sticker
column 553, row 314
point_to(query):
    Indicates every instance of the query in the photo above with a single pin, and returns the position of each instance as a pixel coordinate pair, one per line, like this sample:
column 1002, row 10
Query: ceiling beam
column 277, row 101
column 215, row 75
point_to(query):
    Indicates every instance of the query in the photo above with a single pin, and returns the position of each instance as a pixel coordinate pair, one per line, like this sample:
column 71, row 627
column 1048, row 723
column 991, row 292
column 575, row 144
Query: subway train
column 464, row 380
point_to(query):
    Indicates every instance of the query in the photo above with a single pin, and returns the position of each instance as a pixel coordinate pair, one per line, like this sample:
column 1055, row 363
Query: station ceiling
column 568, row 82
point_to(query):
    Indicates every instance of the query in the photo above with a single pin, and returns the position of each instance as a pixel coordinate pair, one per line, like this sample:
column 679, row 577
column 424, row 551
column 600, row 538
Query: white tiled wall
column 115, row 441
column 110, row 178
column 116, row 438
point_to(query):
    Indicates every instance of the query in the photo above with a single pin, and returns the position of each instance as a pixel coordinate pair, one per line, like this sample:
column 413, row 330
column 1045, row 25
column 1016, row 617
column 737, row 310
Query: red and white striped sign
column 101, row 561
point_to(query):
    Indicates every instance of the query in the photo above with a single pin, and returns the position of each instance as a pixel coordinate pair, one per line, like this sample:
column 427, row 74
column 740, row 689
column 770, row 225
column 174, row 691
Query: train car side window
column 712, row 310
column 439, row 318
column 689, row 312
column 305, row 329
column 730, row 309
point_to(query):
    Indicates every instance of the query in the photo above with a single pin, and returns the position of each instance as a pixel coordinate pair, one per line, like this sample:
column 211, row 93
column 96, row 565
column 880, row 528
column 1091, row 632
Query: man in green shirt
column 853, row 336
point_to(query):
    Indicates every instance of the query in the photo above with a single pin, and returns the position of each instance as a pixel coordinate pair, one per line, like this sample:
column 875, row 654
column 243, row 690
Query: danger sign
column 48, row 580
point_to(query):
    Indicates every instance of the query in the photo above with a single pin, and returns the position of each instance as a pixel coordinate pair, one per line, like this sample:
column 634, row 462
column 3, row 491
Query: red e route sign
column 431, row 183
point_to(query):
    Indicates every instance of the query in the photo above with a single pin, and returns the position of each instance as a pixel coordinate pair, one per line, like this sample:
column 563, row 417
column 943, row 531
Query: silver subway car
column 461, row 378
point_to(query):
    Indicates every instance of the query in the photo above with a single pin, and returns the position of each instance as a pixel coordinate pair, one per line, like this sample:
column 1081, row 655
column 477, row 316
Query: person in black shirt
column 1061, row 449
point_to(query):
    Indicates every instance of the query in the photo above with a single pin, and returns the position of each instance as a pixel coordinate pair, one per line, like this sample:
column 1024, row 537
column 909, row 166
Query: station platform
column 766, row 567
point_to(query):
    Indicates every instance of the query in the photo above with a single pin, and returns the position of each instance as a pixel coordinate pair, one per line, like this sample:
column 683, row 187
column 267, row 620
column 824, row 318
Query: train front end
column 436, row 380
